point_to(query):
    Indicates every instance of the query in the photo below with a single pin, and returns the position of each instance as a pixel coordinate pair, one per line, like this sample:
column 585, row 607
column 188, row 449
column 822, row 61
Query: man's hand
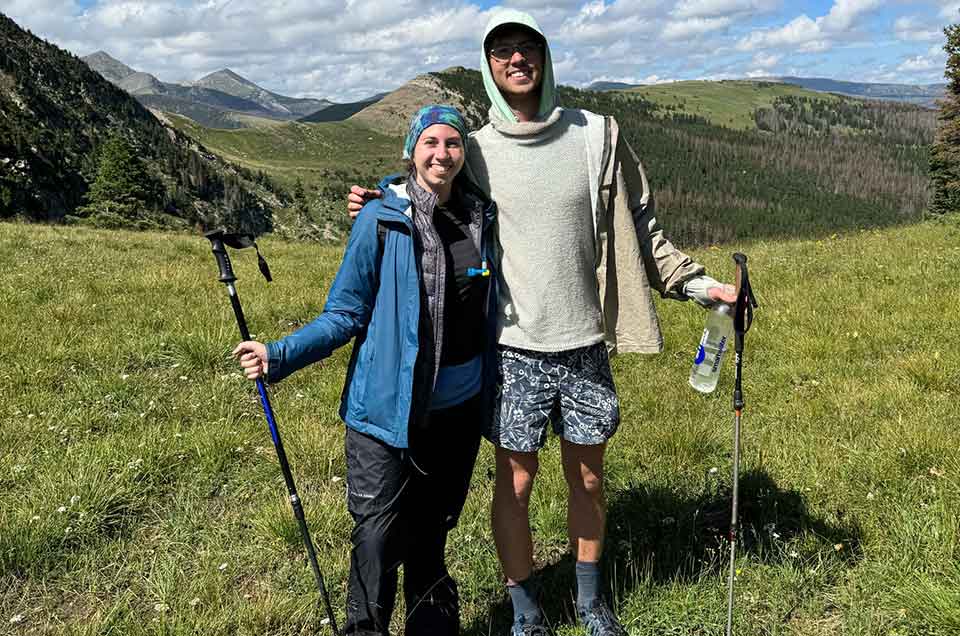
column 358, row 197
column 725, row 294
column 253, row 358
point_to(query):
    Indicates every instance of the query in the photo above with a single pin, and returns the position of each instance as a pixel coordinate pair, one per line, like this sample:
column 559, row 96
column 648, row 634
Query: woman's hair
column 428, row 116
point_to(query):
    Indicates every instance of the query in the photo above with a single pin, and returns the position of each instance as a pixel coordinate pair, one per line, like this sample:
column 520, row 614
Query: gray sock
column 523, row 595
column 588, row 583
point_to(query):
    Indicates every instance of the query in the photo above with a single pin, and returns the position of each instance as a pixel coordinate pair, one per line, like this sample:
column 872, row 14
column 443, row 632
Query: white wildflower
column 222, row 567
column 62, row 509
column 17, row 619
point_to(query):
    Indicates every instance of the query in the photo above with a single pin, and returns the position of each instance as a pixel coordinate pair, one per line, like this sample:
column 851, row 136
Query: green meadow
column 728, row 103
column 140, row 493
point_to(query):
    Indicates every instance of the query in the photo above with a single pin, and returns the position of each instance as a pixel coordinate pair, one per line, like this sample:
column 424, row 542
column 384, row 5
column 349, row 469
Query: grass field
column 139, row 493
column 727, row 103
column 292, row 150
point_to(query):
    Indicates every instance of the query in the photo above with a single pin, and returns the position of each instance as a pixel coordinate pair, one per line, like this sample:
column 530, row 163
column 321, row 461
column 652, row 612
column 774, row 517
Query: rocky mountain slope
column 56, row 114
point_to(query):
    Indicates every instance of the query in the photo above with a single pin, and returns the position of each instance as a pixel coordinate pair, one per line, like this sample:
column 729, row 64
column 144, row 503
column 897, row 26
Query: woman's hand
column 253, row 358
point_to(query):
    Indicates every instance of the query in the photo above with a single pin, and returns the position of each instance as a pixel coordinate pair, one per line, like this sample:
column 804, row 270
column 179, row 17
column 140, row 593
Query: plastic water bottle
column 717, row 338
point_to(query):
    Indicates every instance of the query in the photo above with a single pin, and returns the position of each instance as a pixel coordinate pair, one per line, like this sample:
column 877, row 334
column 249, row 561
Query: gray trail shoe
column 523, row 628
column 600, row 620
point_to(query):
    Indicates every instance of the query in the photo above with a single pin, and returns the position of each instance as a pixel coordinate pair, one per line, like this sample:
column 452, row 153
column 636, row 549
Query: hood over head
column 548, row 89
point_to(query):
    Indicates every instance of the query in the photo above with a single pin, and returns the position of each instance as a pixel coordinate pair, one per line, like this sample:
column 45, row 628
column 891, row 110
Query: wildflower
column 194, row 601
column 794, row 554
column 62, row 509
column 17, row 618
column 838, row 547
column 714, row 470
column 222, row 567
column 74, row 500
column 335, row 479
column 68, row 530
column 161, row 607
column 34, row 518
column 936, row 472
column 124, row 376
column 869, row 495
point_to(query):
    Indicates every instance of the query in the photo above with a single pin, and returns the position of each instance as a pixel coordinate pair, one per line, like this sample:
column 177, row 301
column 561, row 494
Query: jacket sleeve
column 667, row 267
column 348, row 308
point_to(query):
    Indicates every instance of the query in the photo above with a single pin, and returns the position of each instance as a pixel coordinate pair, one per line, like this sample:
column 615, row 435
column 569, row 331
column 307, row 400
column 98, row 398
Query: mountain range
column 222, row 99
column 56, row 118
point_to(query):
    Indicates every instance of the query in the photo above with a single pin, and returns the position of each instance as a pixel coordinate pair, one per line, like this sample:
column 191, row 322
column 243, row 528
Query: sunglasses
column 504, row 52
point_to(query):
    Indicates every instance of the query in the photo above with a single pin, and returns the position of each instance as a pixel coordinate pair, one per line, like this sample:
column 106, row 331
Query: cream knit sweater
column 537, row 174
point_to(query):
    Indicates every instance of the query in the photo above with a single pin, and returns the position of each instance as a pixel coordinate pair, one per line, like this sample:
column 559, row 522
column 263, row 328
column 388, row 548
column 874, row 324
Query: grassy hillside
column 139, row 493
column 308, row 151
column 729, row 103
column 818, row 167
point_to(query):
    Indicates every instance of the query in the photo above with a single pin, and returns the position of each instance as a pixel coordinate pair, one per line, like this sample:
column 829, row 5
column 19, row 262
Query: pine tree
column 945, row 152
column 122, row 185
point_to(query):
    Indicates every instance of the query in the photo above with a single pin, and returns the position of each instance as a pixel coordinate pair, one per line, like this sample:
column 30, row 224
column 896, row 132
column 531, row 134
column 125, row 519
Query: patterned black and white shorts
column 572, row 390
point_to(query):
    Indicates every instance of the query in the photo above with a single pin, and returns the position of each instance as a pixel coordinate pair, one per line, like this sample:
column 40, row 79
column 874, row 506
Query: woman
column 413, row 288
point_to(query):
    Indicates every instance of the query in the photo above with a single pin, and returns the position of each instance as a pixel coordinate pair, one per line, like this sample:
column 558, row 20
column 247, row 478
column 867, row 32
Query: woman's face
column 438, row 156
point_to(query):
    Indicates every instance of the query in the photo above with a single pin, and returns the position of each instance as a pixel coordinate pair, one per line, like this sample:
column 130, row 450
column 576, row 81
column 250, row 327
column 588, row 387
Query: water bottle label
column 720, row 349
column 701, row 354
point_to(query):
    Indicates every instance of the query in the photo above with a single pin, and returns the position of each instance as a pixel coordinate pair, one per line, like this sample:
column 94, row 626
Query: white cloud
column 845, row 12
column 949, row 9
column 719, row 8
column 911, row 29
column 765, row 61
column 918, row 63
column 692, row 27
column 812, row 35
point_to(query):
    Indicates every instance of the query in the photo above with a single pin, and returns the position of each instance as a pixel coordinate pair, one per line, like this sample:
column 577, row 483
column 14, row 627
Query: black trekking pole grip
column 220, row 253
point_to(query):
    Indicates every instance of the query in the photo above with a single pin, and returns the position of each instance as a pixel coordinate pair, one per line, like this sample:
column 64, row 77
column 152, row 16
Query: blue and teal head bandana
column 428, row 116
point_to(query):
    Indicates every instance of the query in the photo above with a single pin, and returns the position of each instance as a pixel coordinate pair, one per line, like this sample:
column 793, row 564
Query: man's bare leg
column 586, row 509
column 510, row 519
column 510, row 515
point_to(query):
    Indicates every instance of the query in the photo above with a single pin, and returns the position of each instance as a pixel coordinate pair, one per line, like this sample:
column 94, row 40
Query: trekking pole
column 742, row 318
column 218, row 240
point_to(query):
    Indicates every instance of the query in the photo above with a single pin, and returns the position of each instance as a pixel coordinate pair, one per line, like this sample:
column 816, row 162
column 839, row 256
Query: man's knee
column 516, row 472
column 583, row 469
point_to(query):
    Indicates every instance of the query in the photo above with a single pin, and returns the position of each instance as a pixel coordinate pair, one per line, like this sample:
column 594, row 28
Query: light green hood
column 548, row 90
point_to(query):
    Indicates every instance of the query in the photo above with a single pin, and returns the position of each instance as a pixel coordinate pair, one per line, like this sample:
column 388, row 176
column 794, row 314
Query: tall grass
column 139, row 492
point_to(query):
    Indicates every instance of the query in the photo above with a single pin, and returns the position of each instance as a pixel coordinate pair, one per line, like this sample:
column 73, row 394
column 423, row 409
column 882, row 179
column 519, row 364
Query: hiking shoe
column 523, row 628
column 600, row 620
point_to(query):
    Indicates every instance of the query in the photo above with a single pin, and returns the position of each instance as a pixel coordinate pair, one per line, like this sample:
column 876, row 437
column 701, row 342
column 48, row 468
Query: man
column 580, row 250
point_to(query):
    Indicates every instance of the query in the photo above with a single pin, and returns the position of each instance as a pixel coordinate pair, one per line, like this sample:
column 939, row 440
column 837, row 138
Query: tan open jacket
column 633, row 255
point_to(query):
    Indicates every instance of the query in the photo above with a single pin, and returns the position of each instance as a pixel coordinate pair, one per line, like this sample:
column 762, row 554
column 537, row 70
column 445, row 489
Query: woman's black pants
column 403, row 503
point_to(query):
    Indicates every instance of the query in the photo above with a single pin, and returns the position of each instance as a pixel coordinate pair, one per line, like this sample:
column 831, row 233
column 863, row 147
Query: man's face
column 516, row 58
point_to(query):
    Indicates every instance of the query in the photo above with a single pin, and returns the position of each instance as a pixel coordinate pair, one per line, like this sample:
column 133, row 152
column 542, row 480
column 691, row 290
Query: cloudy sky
column 349, row 49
